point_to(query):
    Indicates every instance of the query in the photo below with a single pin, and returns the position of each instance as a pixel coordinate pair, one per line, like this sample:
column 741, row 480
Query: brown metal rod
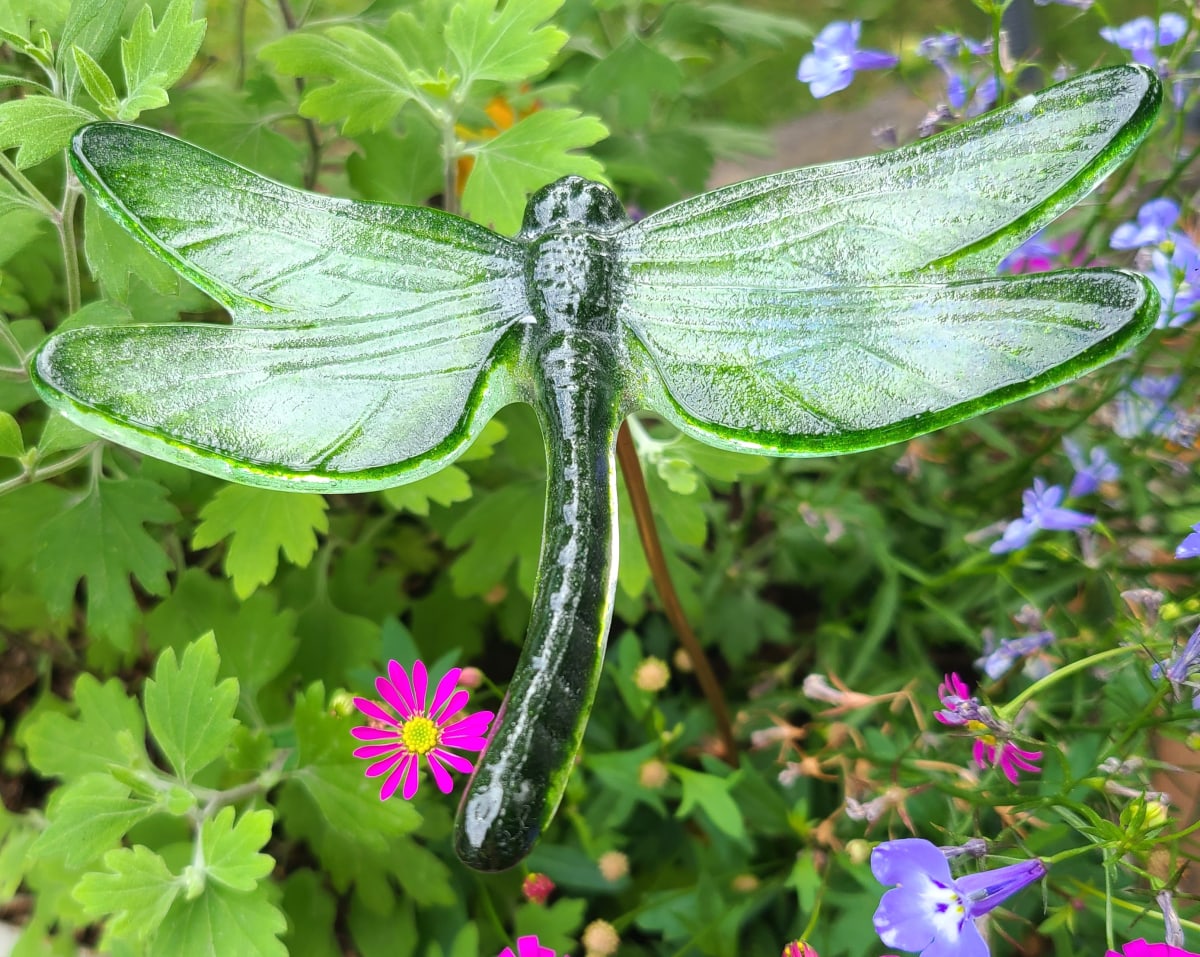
column 635, row 483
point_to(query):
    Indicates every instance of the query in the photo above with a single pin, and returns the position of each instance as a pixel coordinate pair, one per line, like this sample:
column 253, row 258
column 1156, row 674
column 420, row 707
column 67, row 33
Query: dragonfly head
column 573, row 203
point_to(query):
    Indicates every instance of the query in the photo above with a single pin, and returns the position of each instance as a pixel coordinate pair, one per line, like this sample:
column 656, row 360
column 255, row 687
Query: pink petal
column 475, row 724
column 444, row 689
column 400, row 680
column 387, row 691
column 372, row 710
column 367, row 733
column 454, row 705
column 405, row 772
column 456, row 761
column 412, row 780
column 441, row 777
column 375, row 750
column 382, row 767
column 420, row 679
column 464, row 744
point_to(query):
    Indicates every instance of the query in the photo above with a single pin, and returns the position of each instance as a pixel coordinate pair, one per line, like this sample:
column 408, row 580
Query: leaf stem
column 66, row 238
column 1010, row 710
column 635, row 483
column 449, row 166
column 37, row 473
column 313, row 169
column 27, row 187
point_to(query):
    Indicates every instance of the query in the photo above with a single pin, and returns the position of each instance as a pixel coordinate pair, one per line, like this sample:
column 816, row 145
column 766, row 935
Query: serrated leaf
column 446, row 487
column 555, row 926
column 21, row 222
column 502, row 528
column 155, row 58
column 525, row 157
column 102, row 541
column 109, row 724
column 260, row 523
column 370, row 80
column 506, row 46
column 221, row 922
column 12, row 445
column 39, row 126
column 60, row 434
column 231, row 850
column 711, row 794
column 96, row 81
column 92, row 26
column 113, row 256
column 190, row 714
column 88, row 817
column 135, row 893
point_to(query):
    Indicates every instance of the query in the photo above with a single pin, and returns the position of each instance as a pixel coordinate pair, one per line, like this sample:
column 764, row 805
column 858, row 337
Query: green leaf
column 96, row 81
column 39, row 126
column 230, row 851
column 60, row 434
column 371, row 81
column 555, row 926
column 524, row 158
column 406, row 170
column 190, row 714
column 156, row 58
column 506, row 46
column 260, row 523
column 446, row 487
column 102, row 540
column 108, row 731
column 12, row 445
column 91, row 26
column 657, row 75
column 221, row 922
column 502, row 528
column 88, row 817
column 135, row 894
column 711, row 794
column 113, row 256
column 21, row 222
column 312, row 912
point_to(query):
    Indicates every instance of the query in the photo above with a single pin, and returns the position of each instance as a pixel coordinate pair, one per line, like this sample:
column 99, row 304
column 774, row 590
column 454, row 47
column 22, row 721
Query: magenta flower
column 993, row 738
column 1139, row 948
column 930, row 911
column 527, row 947
column 400, row 740
column 989, row 750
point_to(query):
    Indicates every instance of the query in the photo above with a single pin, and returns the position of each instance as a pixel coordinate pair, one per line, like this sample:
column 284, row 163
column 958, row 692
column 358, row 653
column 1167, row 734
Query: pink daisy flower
column 1006, row 756
column 401, row 739
column 527, row 947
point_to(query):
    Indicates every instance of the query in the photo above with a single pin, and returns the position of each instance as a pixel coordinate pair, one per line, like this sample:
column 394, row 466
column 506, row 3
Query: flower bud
column 537, row 888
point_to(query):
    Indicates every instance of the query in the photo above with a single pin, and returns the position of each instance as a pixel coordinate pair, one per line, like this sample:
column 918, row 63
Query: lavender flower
column 930, row 911
column 1041, row 510
column 1190, row 546
column 1143, row 407
column 1142, row 38
column 1177, row 277
column 836, row 57
column 1090, row 472
column 1000, row 656
column 1179, row 668
column 1153, row 225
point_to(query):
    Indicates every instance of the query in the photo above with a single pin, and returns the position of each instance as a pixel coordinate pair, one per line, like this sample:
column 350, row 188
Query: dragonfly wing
column 275, row 255
column 819, row 371
column 952, row 205
column 367, row 347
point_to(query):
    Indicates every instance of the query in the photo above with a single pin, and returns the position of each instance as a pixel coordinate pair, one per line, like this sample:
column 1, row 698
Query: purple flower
column 1036, row 254
column 1090, row 472
column 993, row 747
column 1000, row 656
column 1042, row 510
column 1142, row 38
column 1177, row 278
column 1143, row 407
column 1179, row 668
column 401, row 742
column 955, row 696
column 1154, row 222
column 527, row 947
column 836, row 57
column 930, row 911
column 990, row 751
column 1190, row 546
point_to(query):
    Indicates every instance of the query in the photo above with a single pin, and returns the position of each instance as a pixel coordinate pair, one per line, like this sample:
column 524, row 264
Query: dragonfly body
column 817, row 311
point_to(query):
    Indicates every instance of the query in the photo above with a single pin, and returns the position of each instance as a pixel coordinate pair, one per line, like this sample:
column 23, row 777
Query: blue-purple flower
column 1190, row 546
column 932, row 912
column 1177, row 278
column 1153, row 225
column 999, row 656
column 1042, row 509
column 944, row 48
column 836, row 57
column 1091, row 470
column 1142, row 37
column 1143, row 407
column 1178, row 669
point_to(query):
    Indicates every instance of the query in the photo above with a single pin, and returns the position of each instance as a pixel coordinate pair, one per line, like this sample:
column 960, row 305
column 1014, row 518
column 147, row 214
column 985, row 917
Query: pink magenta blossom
column 993, row 738
column 527, row 947
column 1139, row 948
column 401, row 739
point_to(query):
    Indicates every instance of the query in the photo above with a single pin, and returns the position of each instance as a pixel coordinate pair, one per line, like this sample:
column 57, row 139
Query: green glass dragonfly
column 817, row 311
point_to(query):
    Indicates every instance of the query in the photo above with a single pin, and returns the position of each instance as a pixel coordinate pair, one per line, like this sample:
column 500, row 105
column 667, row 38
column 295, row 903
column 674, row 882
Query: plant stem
column 313, row 169
column 66, row 238
column 1010, row 710
column 635, row 483
column 36, row 473
column 26, row 187
column 449, row 166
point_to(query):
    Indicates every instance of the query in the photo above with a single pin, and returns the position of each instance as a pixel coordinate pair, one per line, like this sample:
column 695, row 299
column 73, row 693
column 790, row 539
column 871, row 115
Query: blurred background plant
column 178, row 656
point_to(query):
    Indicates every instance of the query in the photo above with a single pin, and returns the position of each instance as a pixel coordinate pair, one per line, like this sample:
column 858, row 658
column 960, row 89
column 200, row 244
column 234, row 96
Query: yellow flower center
column 981, row 731
column 420, row 734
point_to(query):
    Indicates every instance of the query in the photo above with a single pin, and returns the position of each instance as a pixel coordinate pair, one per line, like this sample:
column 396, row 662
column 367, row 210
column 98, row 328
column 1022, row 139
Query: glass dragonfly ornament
column 817, row 311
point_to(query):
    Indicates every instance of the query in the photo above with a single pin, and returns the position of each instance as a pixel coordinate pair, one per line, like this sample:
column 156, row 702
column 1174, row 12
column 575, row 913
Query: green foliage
column 155, row 58
column 39, row 126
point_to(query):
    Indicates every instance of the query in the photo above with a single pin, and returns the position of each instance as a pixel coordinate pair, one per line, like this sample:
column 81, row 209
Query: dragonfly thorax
column 569, row 270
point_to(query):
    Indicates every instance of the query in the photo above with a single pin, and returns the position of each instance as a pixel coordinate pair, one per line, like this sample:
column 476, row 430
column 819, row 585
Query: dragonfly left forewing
column 840, row 369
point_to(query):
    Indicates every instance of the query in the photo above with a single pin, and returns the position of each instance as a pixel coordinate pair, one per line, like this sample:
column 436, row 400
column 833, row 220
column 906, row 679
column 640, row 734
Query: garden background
column 178, row 656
